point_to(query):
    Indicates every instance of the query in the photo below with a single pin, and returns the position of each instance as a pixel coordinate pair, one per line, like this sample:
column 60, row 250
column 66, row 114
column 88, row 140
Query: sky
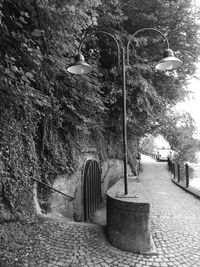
column 196, row 2
column 192, row 102
column 161, row 142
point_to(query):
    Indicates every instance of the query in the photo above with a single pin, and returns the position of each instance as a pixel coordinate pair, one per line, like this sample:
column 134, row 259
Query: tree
column 147, row 143
column 179, row 132
column 150, row 94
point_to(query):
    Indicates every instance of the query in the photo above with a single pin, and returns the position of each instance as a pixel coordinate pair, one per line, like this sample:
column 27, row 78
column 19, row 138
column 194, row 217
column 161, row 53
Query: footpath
column 175, row 228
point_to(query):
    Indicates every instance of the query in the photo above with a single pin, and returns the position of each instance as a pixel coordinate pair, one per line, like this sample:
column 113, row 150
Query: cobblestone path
column 175, row 227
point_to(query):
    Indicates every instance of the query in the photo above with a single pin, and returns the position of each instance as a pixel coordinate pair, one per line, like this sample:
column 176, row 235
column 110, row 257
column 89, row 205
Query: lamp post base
column 128, row 219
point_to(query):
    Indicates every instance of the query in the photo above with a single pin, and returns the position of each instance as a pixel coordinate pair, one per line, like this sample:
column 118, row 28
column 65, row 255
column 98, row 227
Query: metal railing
column 186, row 176
column 150, row 154
column 180, row 172
column 50, row 187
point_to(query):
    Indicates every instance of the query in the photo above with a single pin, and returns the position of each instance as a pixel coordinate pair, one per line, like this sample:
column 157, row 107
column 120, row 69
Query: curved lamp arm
column 141, row 30
column 81, row 67
column 106, row 33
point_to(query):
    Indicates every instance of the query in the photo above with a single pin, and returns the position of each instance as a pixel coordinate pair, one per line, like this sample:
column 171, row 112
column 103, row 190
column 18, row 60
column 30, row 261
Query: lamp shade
column 79, row 66
column 169, row 61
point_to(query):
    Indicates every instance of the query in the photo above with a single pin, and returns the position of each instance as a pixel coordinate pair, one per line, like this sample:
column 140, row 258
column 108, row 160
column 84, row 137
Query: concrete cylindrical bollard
column 128, row 222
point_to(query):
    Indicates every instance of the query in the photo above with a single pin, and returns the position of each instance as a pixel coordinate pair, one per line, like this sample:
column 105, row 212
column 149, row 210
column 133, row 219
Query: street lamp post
column 168, row 62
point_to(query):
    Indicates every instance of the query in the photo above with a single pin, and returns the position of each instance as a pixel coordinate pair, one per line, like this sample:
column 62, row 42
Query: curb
column 189, row 190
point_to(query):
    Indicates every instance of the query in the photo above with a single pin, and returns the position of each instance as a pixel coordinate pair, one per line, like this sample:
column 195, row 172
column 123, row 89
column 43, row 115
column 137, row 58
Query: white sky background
column 192, row 102
column 161, row 142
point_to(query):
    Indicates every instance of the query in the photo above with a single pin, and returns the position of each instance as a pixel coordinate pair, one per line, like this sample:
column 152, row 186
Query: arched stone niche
column 72, row 185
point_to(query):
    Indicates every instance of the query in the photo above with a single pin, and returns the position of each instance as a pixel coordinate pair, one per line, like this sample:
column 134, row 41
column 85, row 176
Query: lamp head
column 169, row 61
column 79, row 66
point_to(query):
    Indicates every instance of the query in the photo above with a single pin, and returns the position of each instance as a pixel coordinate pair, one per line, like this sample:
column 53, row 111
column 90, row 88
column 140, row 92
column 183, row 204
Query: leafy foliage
column 180, row 134
column 151, row 94
column 43, row 113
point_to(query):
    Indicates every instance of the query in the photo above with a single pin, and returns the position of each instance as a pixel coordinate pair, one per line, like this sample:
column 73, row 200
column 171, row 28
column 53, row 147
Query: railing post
column 187, row 175
column 174, row 170
column 178, row 166
column 169, row 164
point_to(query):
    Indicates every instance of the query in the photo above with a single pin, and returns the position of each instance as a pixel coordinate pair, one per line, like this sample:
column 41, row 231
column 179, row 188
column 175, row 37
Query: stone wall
column 72, row 185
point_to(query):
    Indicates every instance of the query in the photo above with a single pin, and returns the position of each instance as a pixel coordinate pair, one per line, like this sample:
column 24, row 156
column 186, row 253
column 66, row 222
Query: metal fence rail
column 180, row 172
column 183, row 174
column 50, row 187
column 186, row 176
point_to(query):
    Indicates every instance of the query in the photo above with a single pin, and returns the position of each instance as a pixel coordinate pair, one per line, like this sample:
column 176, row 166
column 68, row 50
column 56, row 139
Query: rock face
column 72, row 185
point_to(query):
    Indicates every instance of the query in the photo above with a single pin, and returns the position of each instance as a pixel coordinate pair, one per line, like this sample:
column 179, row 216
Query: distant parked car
column 163, row 154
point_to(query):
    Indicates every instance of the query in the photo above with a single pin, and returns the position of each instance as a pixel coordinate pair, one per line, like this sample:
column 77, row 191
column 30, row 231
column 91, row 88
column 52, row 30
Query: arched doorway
column 91, row 188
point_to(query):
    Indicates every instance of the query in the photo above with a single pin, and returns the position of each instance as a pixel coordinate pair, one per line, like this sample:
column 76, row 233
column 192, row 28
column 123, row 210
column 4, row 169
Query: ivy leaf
column 24, row 78
column 30, row 88
column 13, row 59
column 14, row 68
column 22, row 20
column 140, row 101
column 38, row 53
column 29, row 75
column 18, row 24
column 25, row 14
column 83, row 129
column 7, row 71
column 72, row 9
column 36, row 33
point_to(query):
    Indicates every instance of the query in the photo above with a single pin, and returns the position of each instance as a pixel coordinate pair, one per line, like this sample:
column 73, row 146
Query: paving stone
column 175, row 227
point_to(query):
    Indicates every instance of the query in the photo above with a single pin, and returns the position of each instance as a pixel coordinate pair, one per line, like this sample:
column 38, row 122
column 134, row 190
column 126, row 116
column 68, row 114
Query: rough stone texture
column 35, row 200
column 112, row 171
column 72, row 185
column 175, row 227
